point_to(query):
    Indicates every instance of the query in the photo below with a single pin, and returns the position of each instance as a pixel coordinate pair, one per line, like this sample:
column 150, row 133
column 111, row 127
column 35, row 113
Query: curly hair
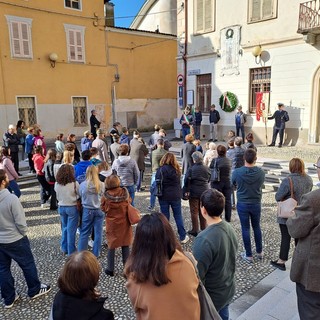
column 65, row 174
column 170, row 159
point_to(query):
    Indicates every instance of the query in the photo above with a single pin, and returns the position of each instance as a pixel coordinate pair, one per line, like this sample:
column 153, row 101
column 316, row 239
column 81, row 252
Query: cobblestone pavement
column 44, row 234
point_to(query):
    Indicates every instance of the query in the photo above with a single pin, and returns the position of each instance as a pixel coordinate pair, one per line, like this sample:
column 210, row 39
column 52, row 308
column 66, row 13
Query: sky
column 125, row 8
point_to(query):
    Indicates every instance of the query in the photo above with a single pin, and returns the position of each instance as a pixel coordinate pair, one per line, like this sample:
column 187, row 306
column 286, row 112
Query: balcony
column 309, row 19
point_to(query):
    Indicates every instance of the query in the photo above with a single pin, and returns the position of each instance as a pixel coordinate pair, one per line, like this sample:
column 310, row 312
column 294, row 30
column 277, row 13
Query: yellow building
column 115, row 71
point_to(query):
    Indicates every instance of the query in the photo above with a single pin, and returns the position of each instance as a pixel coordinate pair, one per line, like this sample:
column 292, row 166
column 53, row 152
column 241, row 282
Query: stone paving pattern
column 44, row 234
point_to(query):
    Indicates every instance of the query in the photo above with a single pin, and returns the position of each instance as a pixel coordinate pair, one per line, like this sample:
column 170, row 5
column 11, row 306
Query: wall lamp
column 256, row 51
column 53, row 57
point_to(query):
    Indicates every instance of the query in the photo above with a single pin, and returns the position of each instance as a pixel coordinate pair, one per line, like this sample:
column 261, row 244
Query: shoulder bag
column 186, row 188
column 215, row 172
column 156, row 187
column 286, row 207
column 207, row 309
column 133, row 214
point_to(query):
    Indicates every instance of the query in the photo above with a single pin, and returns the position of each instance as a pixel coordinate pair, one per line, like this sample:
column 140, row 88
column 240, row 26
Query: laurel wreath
column 228, row 101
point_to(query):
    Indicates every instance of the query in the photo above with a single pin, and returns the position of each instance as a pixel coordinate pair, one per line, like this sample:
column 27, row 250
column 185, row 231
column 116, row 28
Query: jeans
column 69, row 217
column 250, row 212
column 91, row 218
column 238, row 128
column 197, row 128
column 45, row 192
column 185, row 131
column 177, row 214
column 153, row 198
column 140, row 179
column 224, row 312
column 308, row 303
column 111, row 254
column 13, row 187
column 131, row 190
column 20, row 252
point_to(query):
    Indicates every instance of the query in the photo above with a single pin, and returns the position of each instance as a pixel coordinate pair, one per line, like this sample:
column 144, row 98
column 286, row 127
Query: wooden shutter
column 208, row 15
column 15, row 39
column 267, row 10
column 79, row 46
column 199, row 16
column 72, row 46
column 25, row 39
column 20, row 39
column 256, row 9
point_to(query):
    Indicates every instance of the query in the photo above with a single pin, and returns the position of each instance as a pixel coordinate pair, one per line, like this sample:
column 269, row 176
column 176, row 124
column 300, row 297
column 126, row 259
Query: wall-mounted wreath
column 228, row 101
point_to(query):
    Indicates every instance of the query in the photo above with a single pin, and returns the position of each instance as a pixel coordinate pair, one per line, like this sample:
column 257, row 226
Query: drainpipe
column 185, row 51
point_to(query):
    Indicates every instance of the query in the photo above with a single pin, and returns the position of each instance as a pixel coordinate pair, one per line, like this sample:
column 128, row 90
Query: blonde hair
column 92, row 176
column 196, row 142
column 103, row 166
column 68, row 157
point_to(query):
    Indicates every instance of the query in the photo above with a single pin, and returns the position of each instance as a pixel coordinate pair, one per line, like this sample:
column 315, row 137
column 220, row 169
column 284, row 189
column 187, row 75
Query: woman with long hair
column 67, row 190
column 91, row 191
column 49, row 162
column 38, row 160
column 78, row 297
column 302, row 184
column 119, row 231
column 7, row 165
column 169, row 174
column 161, row 280
column 68, row 157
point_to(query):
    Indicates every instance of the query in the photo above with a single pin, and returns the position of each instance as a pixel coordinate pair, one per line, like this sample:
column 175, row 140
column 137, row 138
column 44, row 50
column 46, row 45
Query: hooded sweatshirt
column 90, row 199
column 249, row 181
column 81, row 167
column 127, row 170
column 13, row 225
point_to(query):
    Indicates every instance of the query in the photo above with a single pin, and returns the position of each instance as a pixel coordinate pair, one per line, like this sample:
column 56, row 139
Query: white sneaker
column 45, row 205
column 90, row 243
column 44, row 288
column 185, row 240
column 9, row 306
column 78, row 230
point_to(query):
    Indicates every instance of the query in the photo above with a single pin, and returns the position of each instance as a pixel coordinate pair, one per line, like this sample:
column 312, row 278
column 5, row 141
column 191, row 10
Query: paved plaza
column 44, row 234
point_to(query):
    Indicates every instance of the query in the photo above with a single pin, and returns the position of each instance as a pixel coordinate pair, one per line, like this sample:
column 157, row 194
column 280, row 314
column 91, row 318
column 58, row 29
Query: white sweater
column 67, row 195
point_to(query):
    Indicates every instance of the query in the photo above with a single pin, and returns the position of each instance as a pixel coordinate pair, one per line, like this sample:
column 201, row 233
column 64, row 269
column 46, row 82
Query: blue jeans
column 69, row 217
column 13, row 187
column 185, row 131
column 91, row 218
column 197, row 131
column 250, row 212
column 238, row 128
column 176, row 209
column 224, row 312
column 20, row 252
column 153, row 198
column 131, row 190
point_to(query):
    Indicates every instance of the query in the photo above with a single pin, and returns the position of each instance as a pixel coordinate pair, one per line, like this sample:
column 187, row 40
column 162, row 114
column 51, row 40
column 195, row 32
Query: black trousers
column 308, row 303
column 285, row 242
column 45, row 191
column 31, row 164
column 275, row 133
column 15, row 160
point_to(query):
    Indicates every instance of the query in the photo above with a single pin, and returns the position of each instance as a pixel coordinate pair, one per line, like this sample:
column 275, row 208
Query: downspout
column 185, row 52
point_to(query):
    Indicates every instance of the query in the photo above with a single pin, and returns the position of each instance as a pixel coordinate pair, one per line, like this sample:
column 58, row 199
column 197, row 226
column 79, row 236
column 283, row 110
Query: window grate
column 27, row 110
column 80, row 111
column 204, row 92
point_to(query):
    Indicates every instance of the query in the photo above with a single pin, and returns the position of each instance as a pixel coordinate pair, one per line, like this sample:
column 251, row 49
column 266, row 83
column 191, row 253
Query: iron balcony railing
column 309, row 16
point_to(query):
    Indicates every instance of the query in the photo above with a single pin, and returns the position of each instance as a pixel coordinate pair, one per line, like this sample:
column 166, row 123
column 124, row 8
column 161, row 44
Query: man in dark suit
column 281, row 117
column 94, row 123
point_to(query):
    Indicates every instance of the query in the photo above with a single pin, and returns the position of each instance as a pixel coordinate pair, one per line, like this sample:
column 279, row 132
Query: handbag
column 286, row 207
column 186, row 187
column 133, row 214
column 215, row 172
column 207, row 309
column 156, row 187
column 78, row 205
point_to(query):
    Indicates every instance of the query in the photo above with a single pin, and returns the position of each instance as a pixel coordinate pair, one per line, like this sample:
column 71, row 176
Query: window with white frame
column 73, row 4
column 204, row 16
column 20, row 37
column 80, row 117
column 204, row 92
column 260, row 10
column 75, row 43
column 27, row 110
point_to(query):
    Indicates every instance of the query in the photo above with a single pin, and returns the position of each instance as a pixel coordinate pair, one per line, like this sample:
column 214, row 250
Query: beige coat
column 115, row 204
column 177, row 300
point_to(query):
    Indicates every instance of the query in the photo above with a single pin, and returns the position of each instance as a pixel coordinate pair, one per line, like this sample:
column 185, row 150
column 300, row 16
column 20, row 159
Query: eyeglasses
column 316, row 166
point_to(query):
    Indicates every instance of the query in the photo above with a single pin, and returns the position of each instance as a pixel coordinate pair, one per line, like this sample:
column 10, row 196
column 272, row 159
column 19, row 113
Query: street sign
column 180, row 79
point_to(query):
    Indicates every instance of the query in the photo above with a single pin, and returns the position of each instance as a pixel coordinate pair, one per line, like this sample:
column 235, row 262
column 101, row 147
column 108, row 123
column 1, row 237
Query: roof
column 142, row 31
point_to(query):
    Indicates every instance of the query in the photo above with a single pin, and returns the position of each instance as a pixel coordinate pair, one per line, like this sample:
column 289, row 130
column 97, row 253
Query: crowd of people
column 99, row 183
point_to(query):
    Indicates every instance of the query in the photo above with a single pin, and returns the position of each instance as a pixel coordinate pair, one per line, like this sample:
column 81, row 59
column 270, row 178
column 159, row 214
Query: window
column 260, row 81
column 75, row 43
column 260, row 10
column 80, row 111
column 27, row 110
column 204, row 16
column 204, row 92
column 20, row 37
column 73, row 4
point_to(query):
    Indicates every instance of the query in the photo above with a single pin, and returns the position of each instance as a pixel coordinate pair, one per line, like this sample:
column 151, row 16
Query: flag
column 262, row 104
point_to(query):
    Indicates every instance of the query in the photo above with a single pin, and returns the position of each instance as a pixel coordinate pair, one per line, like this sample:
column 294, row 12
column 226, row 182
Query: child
column 125, row 136
column 59, row 144
column 57, row 163
column 29, row 143
column 197, row 143
column 249, row 143
column 49, row 161
column 94, row 153
column 119, row 231
column 86, row 141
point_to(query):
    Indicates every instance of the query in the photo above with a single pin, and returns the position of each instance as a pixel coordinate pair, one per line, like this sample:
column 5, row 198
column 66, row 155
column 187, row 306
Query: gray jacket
column 138, row 152
column 89, row 197
column 187, row 150
column 305, row 226
column 13, row 225
column 301, row 185
column 127, row 170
